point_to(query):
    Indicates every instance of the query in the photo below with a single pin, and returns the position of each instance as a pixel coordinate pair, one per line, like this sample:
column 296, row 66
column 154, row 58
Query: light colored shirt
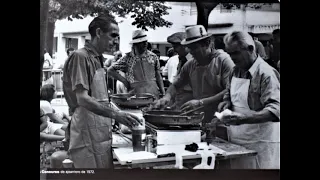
column 264, row 90
column 46, row 107
column 47, row 60
column 171, row 67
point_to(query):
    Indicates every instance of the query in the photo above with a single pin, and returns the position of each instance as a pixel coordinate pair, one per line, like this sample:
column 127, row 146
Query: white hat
column 139, row 36
column 194, row 34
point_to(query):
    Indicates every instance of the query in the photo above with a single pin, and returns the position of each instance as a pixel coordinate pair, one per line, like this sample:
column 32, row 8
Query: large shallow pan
column 132, row 100
column 172, row 118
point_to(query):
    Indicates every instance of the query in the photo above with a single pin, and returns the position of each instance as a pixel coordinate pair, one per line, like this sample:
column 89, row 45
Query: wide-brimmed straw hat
column 138, row 36
column 194, row 34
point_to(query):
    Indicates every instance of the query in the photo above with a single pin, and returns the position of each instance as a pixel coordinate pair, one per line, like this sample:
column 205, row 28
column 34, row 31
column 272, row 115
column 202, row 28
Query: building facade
column 260, row 21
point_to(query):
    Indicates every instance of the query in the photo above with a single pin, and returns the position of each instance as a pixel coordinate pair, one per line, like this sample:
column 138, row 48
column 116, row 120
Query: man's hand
column 190, row 105
column 161, row 103
column 234, row 118
column 224, row 105
column 127, row 119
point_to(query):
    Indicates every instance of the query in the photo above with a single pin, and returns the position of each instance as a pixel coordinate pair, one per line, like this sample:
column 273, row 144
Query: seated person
column 57, row 157
column 50, row 131
column 47, row 94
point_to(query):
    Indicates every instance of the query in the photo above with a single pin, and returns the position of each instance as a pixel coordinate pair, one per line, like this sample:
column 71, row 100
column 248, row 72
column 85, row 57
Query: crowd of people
column 236, row 73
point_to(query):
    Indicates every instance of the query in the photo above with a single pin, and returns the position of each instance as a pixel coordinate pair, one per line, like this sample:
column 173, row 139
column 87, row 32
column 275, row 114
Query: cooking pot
column 172, row 118
column 132, row 100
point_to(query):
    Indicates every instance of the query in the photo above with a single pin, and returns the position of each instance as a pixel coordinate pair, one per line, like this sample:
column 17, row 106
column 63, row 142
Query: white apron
column 263, row 138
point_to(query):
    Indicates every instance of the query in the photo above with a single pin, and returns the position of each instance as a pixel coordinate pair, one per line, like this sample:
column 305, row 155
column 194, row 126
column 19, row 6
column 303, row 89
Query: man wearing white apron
column 254, row 97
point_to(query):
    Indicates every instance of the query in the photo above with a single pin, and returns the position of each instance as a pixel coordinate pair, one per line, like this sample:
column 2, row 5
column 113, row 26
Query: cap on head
column 195, row 34
column 176, row 38
column 139, row 36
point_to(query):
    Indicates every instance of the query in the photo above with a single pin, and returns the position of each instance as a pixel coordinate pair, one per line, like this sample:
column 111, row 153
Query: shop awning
column 257, row 29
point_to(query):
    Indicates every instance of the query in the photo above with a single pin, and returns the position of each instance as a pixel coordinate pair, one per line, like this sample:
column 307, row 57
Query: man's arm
column 86, row 101
column 213, row 99
column 159, row 77
column 49, row 111
column 120, row 65
column 270, row 98
column 55, row 118
column 50, row 137
column 113, row 73
column 44, row 123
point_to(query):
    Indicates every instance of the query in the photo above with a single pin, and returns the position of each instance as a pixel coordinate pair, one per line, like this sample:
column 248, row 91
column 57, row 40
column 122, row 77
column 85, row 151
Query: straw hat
column 139, row 36
column 194, row 34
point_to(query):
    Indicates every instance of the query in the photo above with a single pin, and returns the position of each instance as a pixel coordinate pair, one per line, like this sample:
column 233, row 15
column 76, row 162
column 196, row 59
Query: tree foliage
column 146, row 14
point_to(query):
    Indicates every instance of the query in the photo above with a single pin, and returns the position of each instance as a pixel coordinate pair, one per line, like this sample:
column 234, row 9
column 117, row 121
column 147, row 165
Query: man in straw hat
column 141, row 66
column 253, row 95
column 85, row 90
column 174, row 65
column 207, row 73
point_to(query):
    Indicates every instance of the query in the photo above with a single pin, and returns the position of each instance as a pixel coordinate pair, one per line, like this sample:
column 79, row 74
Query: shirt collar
column 189, row 57
column 92, row 49
column 255, row 65
column 144, row 54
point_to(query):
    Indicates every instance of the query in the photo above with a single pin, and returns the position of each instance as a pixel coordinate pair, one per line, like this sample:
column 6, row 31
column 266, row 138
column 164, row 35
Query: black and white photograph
column 128, row 84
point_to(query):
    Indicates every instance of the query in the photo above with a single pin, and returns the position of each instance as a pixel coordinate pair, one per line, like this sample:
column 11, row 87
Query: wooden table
column 222, row 161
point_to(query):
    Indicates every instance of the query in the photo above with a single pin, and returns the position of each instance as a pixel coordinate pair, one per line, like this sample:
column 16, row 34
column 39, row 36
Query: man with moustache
column 141, row 66
column 84, row 85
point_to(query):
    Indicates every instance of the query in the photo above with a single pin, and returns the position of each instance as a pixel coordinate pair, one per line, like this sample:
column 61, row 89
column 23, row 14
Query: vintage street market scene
column 130, row 84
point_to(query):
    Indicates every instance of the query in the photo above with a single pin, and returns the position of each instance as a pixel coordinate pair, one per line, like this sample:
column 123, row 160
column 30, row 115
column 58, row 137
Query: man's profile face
column 239, row 55
column 180, row 49
column 198, row 50
column 110, row 39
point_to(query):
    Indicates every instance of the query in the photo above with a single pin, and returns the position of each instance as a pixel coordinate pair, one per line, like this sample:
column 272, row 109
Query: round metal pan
column 132, row 100
column 172, row 118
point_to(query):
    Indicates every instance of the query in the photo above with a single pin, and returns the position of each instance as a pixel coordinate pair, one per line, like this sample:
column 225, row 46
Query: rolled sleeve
column 79, row 70
column 121, row 64
column 270, row 94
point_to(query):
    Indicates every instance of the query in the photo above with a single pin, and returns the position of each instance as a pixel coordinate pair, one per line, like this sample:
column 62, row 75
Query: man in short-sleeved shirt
column 207, row 73
column 85, row 90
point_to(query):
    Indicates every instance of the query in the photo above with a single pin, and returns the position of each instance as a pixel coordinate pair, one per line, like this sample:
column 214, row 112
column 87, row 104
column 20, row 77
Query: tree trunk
column 50, row 36
column 44, row 9
column 204, row 9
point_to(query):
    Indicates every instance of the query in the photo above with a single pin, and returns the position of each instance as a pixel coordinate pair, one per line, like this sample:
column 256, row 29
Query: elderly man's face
column 180, row 49
column 240, row 56
column 110, row 39
column 141, row 47
column 199, row 51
